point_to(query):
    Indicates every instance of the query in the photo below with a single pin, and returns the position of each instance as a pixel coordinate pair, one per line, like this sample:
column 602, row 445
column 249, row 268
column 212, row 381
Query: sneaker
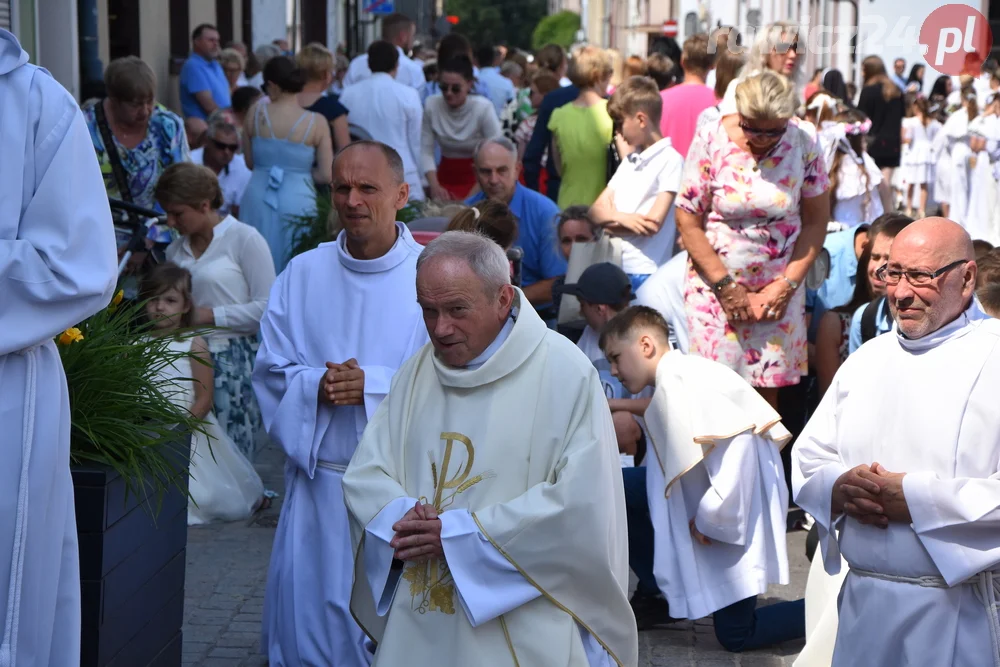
column 650, row 611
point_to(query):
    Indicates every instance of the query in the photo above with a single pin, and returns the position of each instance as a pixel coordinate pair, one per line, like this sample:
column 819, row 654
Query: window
column 180, row 29
column 224, row 20
column 5, row 12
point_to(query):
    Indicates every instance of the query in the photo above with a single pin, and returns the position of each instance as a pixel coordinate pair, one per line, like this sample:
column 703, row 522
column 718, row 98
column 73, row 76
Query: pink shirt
column 681, row 106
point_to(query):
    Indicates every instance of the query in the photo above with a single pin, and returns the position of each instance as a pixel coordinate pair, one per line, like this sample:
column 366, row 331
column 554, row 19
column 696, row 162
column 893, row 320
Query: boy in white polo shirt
column 637, row 205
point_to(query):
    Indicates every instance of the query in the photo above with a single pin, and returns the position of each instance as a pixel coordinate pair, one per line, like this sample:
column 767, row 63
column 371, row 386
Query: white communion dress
column 223, row 484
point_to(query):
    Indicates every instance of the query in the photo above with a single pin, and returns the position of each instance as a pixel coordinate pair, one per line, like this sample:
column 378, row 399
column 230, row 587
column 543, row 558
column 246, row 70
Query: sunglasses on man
column 223, row 146
column 454, row 88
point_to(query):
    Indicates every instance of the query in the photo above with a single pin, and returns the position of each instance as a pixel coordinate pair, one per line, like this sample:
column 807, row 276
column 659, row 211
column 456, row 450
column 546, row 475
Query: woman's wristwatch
column 718, row 286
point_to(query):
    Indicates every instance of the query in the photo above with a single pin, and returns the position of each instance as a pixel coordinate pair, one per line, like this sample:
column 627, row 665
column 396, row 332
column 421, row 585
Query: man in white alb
column 398, row 30
column 340, row 320
column 57, row 267
column 899, row 467
column 389, row 111
column 486, row 502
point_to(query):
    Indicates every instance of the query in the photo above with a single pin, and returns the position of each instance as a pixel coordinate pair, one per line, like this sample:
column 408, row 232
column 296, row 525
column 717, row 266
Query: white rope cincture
column 327, row 465
column 8, row 650
column 986, row 586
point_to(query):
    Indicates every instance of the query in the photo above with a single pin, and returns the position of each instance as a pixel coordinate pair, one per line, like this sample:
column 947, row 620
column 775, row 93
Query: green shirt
column 582, row 135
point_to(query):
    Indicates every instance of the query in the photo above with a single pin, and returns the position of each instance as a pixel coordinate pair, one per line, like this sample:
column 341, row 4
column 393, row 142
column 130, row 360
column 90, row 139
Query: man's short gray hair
column 501, row 141
column 219, row 125
column 511, row 69
column 265, row 52
column 486, row 259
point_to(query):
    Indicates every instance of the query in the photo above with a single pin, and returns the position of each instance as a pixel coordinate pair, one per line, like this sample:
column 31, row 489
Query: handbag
column 582, row 255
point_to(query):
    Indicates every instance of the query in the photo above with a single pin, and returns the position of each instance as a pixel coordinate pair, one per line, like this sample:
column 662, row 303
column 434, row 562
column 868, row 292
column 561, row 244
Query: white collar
column 967, row 321
column 639, row 159
column 501, row 338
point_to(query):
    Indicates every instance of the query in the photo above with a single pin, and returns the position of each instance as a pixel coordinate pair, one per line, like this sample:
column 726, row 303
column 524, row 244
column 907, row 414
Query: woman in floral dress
column 752, row 212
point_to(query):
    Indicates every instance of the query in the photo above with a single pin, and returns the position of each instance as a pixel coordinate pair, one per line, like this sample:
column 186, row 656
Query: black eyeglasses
column 751, row 131
column 223, row 146
column 915, row 278
column 454, row 88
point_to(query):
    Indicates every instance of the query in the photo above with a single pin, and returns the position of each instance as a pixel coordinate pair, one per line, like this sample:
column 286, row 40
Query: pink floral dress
column 751, row 212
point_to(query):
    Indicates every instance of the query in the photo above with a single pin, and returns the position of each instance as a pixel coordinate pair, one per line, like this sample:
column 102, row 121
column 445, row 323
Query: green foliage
column 559, row 28
column 308, row 231
column 497, row 21
column 121, row 412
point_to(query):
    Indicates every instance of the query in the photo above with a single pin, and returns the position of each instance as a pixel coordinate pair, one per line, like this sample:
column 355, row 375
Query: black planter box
column 131, row 571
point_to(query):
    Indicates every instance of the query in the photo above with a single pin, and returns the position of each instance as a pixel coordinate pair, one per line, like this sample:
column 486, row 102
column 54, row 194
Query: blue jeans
column 640, row 530
column 743, row 627
column 637, row 280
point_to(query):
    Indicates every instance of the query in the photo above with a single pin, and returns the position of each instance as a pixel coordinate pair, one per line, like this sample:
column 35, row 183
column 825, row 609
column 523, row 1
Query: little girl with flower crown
column 223, row 483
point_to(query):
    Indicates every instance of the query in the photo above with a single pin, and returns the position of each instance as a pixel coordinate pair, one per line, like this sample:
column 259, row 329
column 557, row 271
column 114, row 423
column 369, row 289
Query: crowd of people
column 707, row 246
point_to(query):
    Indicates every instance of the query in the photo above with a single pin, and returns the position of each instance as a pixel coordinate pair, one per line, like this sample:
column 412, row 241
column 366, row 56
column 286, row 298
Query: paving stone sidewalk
column 227, row 569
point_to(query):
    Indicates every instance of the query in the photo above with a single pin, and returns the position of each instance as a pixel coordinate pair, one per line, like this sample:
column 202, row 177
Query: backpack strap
column 111, row 150
column 869, row 328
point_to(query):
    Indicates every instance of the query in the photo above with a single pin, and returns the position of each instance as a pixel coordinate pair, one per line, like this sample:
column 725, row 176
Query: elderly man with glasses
column 222, row 141
column 899, row 466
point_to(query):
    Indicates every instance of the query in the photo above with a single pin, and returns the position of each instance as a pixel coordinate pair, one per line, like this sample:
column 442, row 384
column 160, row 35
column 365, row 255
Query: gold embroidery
column 432, row 587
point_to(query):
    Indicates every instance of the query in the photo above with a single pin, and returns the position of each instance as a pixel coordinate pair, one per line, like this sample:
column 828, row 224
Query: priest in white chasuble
column 340, row 321
column 900, row 466
column 486, row 497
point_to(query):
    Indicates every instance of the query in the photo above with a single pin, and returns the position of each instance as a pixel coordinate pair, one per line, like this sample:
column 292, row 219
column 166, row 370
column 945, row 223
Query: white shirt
column 391, row 113
column 664, row 291
column 636, row 184
column 233, row 179
column 410, row 72
column 501, row 88
column 233, row 276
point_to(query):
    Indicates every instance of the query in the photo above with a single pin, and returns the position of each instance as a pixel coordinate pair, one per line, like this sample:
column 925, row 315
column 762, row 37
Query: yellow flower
column 115, row 302
column 70, row 336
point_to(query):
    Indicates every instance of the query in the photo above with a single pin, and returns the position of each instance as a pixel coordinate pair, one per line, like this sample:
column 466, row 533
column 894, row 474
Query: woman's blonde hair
column 767, row 42
column 316, row 61
column 766, row 96
column 232, row 56
column 188, row 184
column 591, row 66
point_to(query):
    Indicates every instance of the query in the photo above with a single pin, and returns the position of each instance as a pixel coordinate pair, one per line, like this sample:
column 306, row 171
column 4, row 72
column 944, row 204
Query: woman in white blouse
column 456, row 122
column 232, row 272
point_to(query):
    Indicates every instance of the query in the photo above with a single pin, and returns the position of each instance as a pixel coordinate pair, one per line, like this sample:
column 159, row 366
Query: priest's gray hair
column 501, row 141
column 486, row 259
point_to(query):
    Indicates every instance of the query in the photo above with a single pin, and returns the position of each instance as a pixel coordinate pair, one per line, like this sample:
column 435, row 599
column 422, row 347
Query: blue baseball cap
column 601, row 284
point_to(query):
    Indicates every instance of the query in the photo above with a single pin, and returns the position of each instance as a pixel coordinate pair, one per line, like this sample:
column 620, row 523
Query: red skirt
column 457, row 176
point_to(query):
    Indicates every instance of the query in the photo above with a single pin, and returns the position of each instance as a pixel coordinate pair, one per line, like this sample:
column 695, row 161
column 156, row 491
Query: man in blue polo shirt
column 204, row 87
column 497, row 173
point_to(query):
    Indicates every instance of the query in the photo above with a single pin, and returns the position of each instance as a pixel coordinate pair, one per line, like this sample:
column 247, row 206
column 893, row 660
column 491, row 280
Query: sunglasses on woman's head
column 751, row 131
column 454, row 88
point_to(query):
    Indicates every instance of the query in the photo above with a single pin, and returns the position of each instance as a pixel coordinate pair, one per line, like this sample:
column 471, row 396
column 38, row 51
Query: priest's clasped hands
column 343, row 384
column 418, row 534
column 872, row 495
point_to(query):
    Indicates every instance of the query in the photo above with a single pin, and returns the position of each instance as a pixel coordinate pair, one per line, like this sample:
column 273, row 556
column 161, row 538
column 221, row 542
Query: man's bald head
column 926, row 247
column 940, row 237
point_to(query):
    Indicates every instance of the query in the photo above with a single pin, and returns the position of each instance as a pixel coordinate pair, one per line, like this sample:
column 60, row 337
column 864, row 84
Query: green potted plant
column 130, row 446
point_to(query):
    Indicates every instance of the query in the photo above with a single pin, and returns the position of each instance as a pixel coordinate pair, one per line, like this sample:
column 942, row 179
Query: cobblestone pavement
column 227, row 568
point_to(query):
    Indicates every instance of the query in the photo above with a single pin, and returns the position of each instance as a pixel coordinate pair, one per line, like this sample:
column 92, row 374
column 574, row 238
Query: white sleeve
column 257, row 266
column 58, row 266
column 816, row 466
column 488, row 584
column 382, row 577
column 669, row 178
column 724, row 511
column 957, row 521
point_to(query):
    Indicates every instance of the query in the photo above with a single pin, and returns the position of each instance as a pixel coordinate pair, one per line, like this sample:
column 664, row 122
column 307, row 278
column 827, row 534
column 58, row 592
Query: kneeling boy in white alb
column 715, row 486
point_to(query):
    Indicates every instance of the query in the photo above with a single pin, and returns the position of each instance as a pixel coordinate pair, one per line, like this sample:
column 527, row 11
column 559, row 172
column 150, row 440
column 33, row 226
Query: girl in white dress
column 919, row 131
column 223, row 484
column 855, row 180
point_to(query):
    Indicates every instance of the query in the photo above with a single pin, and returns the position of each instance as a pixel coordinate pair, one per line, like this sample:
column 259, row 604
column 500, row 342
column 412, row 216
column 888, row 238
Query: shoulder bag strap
column 117, row 170
column 869, row 328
